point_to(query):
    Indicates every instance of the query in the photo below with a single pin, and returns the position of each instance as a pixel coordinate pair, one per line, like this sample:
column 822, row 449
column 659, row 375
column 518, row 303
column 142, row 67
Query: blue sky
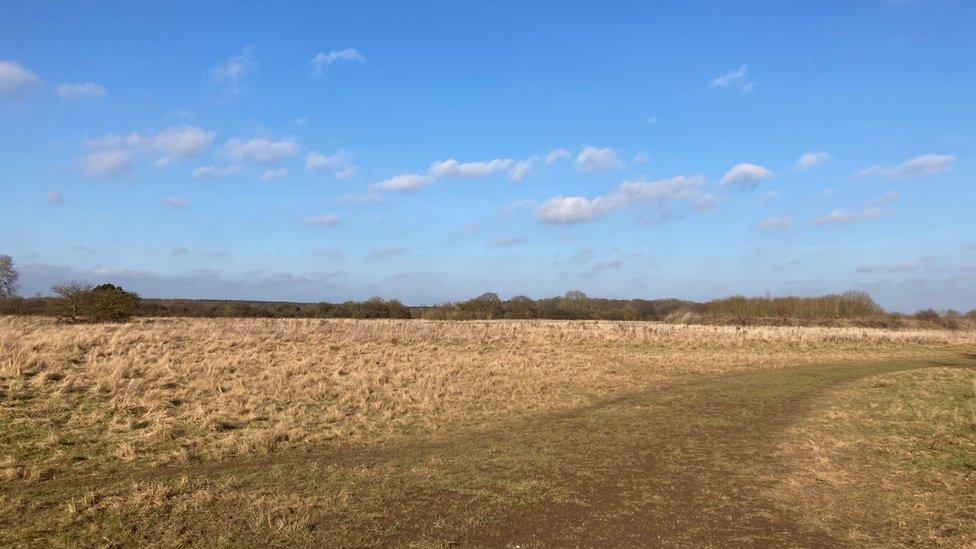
column 438, row 150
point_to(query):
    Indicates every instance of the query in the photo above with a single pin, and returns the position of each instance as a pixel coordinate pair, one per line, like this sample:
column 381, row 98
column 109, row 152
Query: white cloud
column 213, row 172
column 664, row 190
column 322, row 221
column 261, row 150
column 315, row 161
column 842, row 217
column 572, row 209
column 273, row 174
column 346, row 172
column 404, row 182
column 706, row 202
column 592, row 159
column 54, row 198
column 811, row 160
column 180, row 143
column 775, row 223
column 920, row 166
column 746, row 174
column 108, row 164
column 452, row 169
column 770, row 196
column 557, row 155
column 115, row 153
column 735, row 79
column 521, row 169
column 575, row 209
column 175, row 203
column 338, row 162
column 84, row 90
column 874, row 210
column 888, row 198
column 15, row 78
column 116, row 141
column 231, row 72
column 323, row 59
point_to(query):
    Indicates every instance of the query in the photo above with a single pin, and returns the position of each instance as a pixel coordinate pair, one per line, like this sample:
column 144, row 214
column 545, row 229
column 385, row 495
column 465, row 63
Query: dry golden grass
column 889, row 460
column 271, row 432
column 165, row 391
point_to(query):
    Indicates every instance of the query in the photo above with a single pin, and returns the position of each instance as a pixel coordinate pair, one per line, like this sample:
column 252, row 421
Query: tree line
column 76, row 302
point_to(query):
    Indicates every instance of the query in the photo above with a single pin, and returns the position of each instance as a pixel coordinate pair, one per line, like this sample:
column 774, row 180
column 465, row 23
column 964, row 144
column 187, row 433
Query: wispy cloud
column 920, row 166
column 180, row 143
column 15, row 79
column 776, row 223
column 576, row 209
column 325, row 59
column 232, row 71
column 261, row 150
column 84, row 90
column 114, row 154
column 521, row 169
column 810, row 160
column 452, row 169
column 888, row 198
column 108, row 164
column 213, row 172
column 54, row 198
column 745, row 174
column 322, row 221
column 516, row 170
column 843, row 217
column 175, row 203
column 339, row 163
column 592, row 159
column 404, row 182
column 736, row 79
column 556, row 155
column 274, row 174
column 874, row 210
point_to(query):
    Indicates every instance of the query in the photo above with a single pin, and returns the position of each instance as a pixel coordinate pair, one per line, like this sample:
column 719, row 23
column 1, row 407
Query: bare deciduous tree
column 8, row 277
column 72, row 295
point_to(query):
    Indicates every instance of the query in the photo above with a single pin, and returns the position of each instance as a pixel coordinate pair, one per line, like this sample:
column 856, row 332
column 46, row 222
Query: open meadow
column 412, row 432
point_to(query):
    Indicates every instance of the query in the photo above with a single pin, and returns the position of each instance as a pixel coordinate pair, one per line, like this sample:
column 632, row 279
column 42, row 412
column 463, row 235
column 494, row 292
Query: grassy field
column 385, row 432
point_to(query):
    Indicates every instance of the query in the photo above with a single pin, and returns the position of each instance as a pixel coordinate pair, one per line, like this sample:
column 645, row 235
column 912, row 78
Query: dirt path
column 684, row 468
column 686, row 464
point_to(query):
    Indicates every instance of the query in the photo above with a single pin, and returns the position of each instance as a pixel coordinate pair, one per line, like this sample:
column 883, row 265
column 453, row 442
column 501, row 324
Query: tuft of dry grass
column 168, row 391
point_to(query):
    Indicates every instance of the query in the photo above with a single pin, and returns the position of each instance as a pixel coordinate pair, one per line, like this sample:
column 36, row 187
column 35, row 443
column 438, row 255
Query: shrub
column 109, row 303
column 928, row 315
column 104, row 303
